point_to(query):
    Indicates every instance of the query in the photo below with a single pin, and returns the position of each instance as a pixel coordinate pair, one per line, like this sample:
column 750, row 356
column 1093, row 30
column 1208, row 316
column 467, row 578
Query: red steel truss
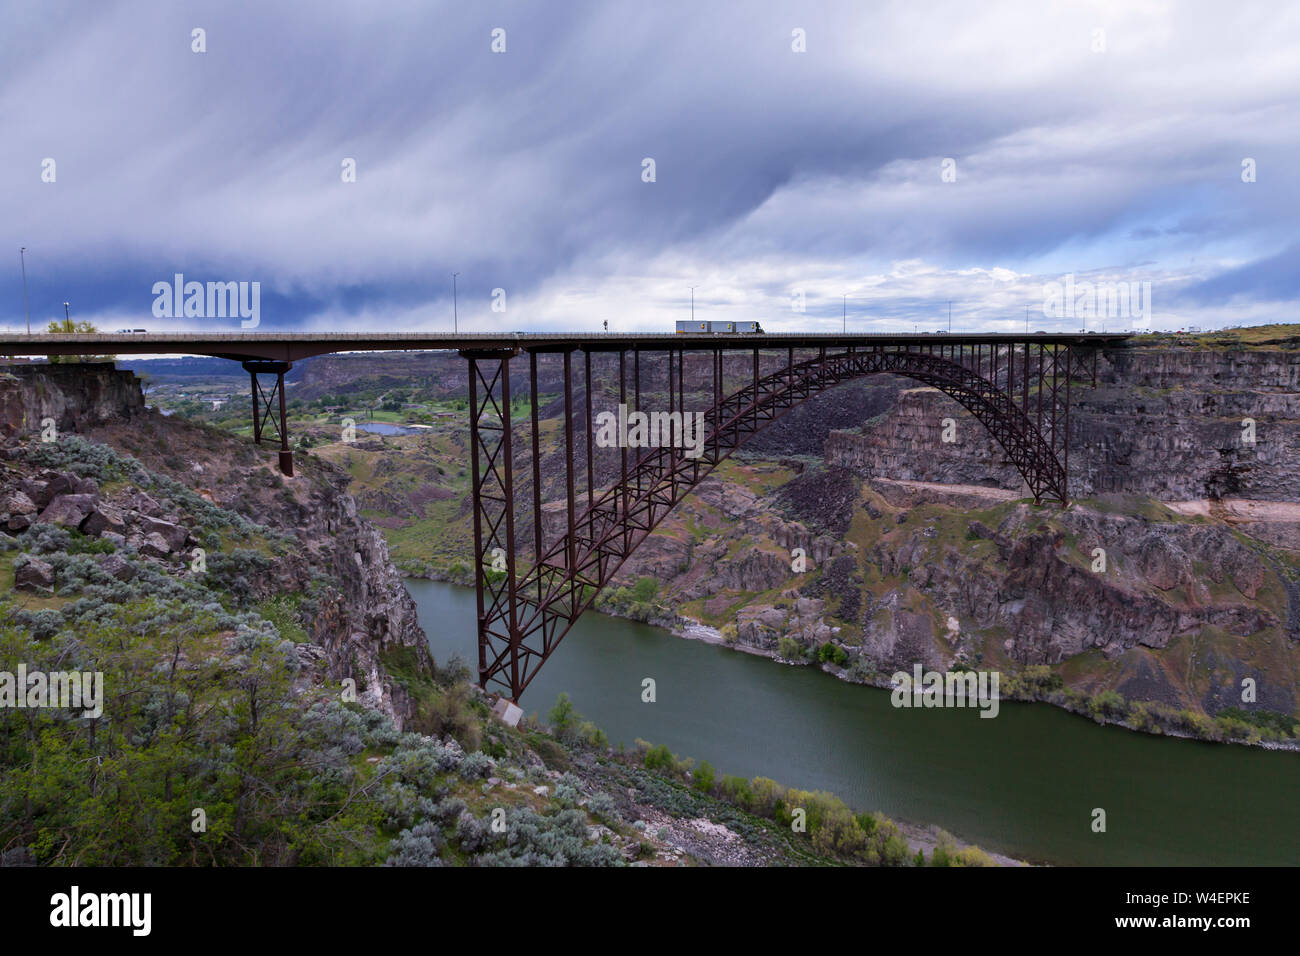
column 1019, row 390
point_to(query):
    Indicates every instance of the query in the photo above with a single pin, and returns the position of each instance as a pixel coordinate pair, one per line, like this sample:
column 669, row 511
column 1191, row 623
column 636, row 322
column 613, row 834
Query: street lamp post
column 950, row 315
column 22, row 258
column 844, row 314
column 67, row 318
column 692, row 303
column 455, row 309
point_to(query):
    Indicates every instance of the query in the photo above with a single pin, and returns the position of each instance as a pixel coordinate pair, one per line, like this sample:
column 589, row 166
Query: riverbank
column 1033, row 685
column 1107, row 709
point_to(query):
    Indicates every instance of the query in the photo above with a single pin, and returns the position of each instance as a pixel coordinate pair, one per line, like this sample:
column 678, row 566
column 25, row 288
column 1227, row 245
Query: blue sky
column 1112, row 156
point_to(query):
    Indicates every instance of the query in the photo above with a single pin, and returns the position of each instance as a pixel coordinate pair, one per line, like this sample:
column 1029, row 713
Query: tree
column 562, row 716
column 704, row 777
column 69, row 327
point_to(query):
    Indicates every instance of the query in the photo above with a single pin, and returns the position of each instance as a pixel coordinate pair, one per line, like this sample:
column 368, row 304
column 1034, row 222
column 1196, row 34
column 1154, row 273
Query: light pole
column 844, row 314
column 950, row 315
column 455, row 310
column 692, row 303
column 67, row 318
column 22, row 258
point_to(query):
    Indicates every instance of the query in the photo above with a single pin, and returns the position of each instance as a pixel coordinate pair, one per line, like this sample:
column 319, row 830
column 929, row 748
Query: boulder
column 35, row 575
column 18, row 503
column 116, row 566
column 68, row 511
column 58, row 484
column 142, row 503
column 155, row 546
column 105, row 518
column 86, row 486
column 38, row 491
column 19, row 522
column 173, row 534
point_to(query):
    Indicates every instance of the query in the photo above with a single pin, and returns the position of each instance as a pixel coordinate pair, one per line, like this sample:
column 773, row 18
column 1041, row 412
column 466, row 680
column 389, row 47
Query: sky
column 813, row 165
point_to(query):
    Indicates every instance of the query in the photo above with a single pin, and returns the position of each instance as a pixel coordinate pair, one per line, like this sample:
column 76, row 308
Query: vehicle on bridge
column 718, row 328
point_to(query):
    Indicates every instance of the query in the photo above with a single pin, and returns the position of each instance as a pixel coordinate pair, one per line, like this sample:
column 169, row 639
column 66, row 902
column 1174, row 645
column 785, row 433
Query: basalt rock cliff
column 307, row 535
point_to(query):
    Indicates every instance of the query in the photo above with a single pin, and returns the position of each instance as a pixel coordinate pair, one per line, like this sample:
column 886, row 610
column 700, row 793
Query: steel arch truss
column 1020, row 391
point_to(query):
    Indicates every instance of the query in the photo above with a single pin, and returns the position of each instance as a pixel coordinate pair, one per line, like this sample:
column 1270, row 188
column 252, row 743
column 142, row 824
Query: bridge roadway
column 294, row 346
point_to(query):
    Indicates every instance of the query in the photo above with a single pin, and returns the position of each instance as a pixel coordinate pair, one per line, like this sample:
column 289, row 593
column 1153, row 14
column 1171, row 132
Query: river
column 1025, row 783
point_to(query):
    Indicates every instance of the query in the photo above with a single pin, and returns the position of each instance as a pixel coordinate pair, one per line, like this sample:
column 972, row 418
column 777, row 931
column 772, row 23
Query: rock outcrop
column 365, row 611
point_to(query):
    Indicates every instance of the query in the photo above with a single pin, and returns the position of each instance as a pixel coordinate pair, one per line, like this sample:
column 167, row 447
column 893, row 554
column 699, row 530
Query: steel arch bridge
column 1017, row 386
column 1019, row 390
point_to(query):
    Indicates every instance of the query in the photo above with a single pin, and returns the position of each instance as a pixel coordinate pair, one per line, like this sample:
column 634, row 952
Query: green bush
column 833, row 654
column 789, row 648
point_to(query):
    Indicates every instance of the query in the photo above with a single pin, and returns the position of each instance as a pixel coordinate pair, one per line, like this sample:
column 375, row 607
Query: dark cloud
column 522, row 170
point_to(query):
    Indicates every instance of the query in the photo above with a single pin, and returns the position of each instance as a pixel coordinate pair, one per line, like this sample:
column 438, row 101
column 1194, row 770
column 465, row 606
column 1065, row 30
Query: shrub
column 789, row 648
column 738, row 791
column 659, row 757
column 1108, row 703
column 476, row 765
column 833, row 654
column 602, row 807
column 704, row 777
column 562, row 716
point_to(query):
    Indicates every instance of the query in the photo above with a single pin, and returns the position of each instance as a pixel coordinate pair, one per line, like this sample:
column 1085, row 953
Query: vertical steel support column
column 636, row 384
column 717, row 402
column 1039, row 424
column 1024, row 382
column 672, row 405
column 622, row 400
column 1069, row 353
column 571, row 558
column 257, row 422
column 537, row 467
column 478, row 521
column 1011, row 373
column 1055, row 385
column 591, row 490
column 508, row 466
column 286, row 456
column 492, row 461
column 264, row 406
column 681, row 388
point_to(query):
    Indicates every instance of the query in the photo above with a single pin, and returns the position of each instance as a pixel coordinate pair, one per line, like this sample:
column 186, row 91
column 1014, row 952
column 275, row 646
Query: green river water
column 1024, row 783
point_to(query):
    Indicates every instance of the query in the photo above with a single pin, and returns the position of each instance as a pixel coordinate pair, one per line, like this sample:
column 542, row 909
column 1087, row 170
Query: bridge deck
column 291, row 347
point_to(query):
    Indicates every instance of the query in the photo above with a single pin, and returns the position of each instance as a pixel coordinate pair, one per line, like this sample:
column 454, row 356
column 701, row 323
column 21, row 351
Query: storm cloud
column 1105, row 142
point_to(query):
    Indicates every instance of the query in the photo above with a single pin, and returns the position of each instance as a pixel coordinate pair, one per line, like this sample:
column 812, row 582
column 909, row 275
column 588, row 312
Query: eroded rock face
column 1165, row 423
column 74, row 396
column 365, row 609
